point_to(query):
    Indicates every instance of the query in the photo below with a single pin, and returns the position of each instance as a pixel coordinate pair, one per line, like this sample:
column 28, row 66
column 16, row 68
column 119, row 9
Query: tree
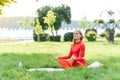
column 42, row 12
column 84, row 23
column 26, row 22
column 50, row 20
column 90, row 32
column 62, row 13
column 37, row 28
column 110, row 25
column 4, row 3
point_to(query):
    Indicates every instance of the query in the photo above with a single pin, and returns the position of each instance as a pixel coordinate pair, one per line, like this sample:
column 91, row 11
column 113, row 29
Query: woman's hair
column 81, row 38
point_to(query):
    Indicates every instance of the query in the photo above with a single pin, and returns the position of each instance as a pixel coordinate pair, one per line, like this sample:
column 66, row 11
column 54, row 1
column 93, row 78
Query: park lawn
column 39, row 55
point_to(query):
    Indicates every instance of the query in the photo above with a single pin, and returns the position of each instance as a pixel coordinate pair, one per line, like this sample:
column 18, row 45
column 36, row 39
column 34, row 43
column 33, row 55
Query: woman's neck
column 77, row 40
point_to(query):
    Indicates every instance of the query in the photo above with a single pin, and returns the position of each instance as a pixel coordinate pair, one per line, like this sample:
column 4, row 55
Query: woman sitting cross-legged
column 77, row 53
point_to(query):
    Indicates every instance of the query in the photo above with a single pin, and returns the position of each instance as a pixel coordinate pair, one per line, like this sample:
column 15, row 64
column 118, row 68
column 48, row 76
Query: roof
column 12, row 23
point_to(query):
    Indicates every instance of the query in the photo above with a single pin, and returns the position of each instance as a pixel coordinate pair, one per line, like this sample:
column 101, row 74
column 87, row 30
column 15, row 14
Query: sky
column 79, row 8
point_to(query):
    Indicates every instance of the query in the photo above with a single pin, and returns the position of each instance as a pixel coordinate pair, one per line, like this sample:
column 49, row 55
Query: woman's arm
column 68, row 56
column 81, row 52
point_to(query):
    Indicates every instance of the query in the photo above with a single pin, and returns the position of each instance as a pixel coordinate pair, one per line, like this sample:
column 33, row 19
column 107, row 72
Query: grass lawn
column 39, row 55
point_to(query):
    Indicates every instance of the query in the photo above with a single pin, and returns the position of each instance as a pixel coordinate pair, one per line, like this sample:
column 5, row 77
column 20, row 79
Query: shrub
column 102, row 35
column 42, row 37
column 68, row 36
column 118, row 35
column 101, row 21
column 106, row 34
column 55, row 38
column 111, row 21
column 91, row 34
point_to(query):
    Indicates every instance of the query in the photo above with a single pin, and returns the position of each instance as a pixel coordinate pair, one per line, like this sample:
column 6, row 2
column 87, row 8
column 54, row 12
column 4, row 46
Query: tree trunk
column 56, row 32
column 38, row 37
column 52, row 32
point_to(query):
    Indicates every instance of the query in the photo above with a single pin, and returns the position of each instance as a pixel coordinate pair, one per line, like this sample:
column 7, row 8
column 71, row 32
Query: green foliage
column 101, row 21
column 91, row 34
column 118, row 35
column 40, row 55
column 42, row 37
column 4, row 3
column 68, row 36
column 62, row 13
column 42, row 12
column 55, row 38
column 26, row 22
column 102, row 35
column 38, row 27
column 50, row 20
column 84, row 23
column 1, row 11
column 111, row 21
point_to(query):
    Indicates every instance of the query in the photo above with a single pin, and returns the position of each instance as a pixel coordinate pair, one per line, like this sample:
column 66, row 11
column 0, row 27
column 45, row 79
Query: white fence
column 15, row 34
column 6, row 33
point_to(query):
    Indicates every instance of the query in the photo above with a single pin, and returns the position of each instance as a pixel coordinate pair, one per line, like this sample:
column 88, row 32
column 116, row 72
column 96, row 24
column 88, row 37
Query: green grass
column 36, row 55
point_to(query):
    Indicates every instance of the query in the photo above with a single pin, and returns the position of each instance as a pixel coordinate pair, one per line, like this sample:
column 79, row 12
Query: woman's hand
column 74, row 58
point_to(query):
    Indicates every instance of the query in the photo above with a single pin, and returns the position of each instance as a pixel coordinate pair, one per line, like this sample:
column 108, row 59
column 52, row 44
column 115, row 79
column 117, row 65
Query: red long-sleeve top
column 77, row 50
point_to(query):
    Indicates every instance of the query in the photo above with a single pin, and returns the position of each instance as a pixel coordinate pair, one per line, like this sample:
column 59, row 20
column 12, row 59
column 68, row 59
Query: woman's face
column 76, row 35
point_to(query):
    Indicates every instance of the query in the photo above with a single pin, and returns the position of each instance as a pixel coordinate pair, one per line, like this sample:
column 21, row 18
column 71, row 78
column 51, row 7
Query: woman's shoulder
column 82, row 43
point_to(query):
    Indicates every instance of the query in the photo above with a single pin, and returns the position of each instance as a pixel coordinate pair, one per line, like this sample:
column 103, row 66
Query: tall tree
column 62, row 13
column 42, row 12
column 111, row 24
column 84, row 23
column 37, row 28
column 4, row 3
column 26, row 22
column 50, row 20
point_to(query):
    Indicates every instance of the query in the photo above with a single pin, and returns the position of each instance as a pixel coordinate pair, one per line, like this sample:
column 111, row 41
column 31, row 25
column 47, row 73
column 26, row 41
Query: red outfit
column 78, row 51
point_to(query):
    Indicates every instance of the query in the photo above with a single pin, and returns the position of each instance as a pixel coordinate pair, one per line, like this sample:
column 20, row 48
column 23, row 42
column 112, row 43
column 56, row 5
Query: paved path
column 19, row 42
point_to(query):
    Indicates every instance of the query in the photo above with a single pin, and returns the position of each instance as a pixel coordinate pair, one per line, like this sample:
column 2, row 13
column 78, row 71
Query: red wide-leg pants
column 75, row 63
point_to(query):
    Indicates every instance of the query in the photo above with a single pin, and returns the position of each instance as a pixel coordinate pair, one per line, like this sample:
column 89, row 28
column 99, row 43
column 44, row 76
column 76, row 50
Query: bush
column 118, row 35
column 91, row 34
column 106, row 34
column 101, row 21
column 111, row 21
column 68, row 36
column 55, row 38
column 42, row 37
column 102, row 35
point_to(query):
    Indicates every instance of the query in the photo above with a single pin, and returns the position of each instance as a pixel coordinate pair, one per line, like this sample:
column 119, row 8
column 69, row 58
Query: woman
column 77, row 53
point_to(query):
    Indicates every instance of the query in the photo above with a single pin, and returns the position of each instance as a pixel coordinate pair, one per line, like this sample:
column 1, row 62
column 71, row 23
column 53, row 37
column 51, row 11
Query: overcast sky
column 79, row 8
